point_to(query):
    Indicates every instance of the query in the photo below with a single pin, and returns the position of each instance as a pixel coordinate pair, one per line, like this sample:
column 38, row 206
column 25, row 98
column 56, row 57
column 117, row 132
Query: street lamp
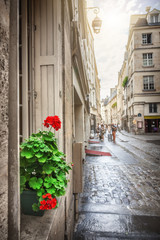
column 97, row 22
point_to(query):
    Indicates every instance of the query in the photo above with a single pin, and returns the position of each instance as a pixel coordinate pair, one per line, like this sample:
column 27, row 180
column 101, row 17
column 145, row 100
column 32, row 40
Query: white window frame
column 154, row 18
column 148, row 82
column 144, row 38
column 147, row 59
column 152, row 107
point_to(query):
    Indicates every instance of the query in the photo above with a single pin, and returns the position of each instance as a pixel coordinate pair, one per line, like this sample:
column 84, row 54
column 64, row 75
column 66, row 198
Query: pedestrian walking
column 97, row 130
column 114, row 129
column 109, row 133
column 102, row 131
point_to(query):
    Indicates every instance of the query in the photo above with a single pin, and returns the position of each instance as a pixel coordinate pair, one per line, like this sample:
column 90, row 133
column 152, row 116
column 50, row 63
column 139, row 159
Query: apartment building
column 122, row 116
column 110, row 107
column 143, row 86
column 93, row 80
column 138, row 92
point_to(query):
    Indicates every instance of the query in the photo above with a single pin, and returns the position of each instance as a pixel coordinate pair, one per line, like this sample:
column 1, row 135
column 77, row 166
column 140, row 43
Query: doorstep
column 96, row 153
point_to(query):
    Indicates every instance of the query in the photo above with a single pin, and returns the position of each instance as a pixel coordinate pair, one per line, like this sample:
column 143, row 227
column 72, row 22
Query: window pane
column 151, row 85
column 155, row 107
column 144, row 56
column 145, row 62
column 149, row 55
column 148, row 38
column 144, row 38
column 150, row 107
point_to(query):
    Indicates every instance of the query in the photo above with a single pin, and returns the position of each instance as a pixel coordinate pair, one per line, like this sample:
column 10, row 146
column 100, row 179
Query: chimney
column 148, row 9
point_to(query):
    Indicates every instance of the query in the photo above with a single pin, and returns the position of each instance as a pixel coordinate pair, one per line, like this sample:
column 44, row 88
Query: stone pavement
column 121, row 197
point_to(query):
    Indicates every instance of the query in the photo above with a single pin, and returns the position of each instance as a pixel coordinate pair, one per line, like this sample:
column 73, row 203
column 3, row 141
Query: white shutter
column 45, row 60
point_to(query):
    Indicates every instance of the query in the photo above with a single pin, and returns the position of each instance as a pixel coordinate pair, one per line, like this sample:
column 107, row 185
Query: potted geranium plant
column 43, row 169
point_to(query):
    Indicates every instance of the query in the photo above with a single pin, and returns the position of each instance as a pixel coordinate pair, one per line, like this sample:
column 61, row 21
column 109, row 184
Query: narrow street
column 121, row 198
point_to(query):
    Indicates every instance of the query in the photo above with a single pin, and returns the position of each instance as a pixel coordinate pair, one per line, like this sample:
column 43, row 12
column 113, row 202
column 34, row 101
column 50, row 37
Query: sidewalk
column 142, row 146
column 147, row 136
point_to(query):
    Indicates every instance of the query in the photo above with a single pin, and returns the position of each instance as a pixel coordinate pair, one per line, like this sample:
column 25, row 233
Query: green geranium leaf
column 51, row 190
column 51, row 134
column 61, row 177
column 21, row 189
column 32, row 160
column 48, row 168
column 22, row 180
column 40, row 192
column 40, row 199
column 61, row 184
column 55, row 151
column 22, row 162
column 30, row 169
column 36, row 134
column 60, row 193
column 36, row 148
column 56, row 159
column 48, row 138
column 35, row 207
column 39, row 155
column 50, row 180
column 27, row 153
column 35, row 182
column 47, row 184
column 43, row 159
column 45, row 149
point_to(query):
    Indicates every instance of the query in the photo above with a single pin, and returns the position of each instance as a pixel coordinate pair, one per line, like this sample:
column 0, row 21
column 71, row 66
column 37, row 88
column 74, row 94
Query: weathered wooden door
column 47, row 74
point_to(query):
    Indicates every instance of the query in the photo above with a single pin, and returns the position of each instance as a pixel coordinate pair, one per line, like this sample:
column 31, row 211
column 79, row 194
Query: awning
column 151, row 117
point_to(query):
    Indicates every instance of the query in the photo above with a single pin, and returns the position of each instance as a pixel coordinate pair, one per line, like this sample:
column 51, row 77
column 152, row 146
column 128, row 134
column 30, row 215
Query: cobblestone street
column 121, row 198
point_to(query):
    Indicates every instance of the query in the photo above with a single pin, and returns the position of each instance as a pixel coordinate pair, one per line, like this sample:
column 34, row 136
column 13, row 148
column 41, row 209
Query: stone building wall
column 4, row 45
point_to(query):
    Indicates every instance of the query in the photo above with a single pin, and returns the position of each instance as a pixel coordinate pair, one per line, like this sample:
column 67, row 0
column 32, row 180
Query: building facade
column 110, row 108
column 122, row 116
column 143, row 86
column 43, row 72
column 138, row 89
column 93, row 80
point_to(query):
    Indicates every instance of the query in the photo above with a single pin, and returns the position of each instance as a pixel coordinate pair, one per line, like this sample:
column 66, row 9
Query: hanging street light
column 97, row 22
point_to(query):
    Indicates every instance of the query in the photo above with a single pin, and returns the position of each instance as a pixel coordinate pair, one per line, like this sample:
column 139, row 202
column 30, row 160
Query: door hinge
column 32, row 94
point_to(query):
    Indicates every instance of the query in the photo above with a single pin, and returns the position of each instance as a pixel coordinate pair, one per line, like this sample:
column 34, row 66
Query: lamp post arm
column 95, row 9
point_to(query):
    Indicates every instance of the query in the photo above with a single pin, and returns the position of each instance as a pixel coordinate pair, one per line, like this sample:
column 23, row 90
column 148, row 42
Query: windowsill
column 150, row 66
column 33, row 227
column 148, row 90
column 146, row 44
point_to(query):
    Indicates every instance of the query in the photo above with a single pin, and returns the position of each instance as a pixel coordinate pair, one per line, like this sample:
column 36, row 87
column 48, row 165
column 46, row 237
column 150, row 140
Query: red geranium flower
column 43, row 202
column 49, row 203
column 53, row 121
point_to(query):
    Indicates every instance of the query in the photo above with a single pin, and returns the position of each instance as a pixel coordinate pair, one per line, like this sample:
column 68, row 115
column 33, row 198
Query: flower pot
column 27, row 199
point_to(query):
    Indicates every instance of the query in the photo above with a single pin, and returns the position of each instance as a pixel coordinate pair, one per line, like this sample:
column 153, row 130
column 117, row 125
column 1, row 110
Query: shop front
column 152, row 124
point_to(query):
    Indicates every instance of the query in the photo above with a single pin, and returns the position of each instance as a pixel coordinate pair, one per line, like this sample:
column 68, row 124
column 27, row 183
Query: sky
column 110, row 43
